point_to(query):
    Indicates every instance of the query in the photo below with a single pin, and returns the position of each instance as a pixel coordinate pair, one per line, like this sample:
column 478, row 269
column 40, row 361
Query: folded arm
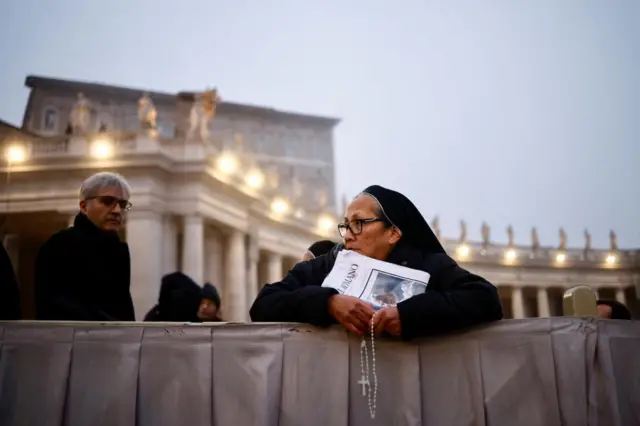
column 299, row 297
column 461, row 300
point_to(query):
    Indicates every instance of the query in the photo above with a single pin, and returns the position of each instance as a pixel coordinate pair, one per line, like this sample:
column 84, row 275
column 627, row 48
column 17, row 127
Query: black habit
column 9, row 292
column 83, row 274
column 454, row 299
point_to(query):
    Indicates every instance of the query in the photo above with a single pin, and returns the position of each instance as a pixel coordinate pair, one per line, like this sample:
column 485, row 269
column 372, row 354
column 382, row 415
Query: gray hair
column 95, row 183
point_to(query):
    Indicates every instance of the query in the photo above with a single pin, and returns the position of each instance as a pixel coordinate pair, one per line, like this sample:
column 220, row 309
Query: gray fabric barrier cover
column 537, row 372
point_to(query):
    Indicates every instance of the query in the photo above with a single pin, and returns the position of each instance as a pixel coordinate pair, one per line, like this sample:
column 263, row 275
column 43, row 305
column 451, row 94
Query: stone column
column 235, row 278
column 214, row 264
column 620, row 296
column 144, row 236
column 274, row 268
column 517, row 303
column 253, row 256
column 288, row 264
column 169, row 245
column 193, row 248
column 11, row 244
column 543, row 303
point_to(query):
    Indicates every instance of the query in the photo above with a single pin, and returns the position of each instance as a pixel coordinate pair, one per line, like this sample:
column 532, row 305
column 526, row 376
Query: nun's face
column 367, row 233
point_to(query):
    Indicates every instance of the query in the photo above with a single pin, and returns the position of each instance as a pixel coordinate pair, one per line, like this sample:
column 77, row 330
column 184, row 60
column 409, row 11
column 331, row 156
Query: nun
column 383, row 224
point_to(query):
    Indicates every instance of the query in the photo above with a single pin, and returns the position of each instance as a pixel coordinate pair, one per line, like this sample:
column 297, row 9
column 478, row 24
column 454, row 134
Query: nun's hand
column 387, row 319
column 354, row 314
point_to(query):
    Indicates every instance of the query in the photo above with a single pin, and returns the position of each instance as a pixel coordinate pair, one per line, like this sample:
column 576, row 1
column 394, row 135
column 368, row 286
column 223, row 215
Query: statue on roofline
column 486, row 234
column 202, row 112
column 463, row 231
column 510, row 237
column 80, row 115
column 535, row 241
column 435, row 224
column 613, row 241
column 563, row 239
column 147, row 113
column 587, row 241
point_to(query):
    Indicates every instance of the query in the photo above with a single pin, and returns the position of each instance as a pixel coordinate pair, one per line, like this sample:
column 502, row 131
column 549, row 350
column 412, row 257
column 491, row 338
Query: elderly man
column 83, row 273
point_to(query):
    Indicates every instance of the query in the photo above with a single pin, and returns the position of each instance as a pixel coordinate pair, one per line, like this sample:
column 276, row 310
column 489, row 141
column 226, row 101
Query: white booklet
column 374, row 281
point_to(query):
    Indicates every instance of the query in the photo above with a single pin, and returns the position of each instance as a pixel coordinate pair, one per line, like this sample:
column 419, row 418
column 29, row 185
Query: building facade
column 228, row 193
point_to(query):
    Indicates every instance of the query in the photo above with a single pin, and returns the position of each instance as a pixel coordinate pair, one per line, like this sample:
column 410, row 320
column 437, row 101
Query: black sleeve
column 51, row 275
column 461, row 299
column 153, row 315
column 9, row 292
column 299, row 297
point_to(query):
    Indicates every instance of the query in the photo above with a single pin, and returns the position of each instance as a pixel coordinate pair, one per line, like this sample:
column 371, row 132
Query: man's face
column 604, row 311
column 207, row 311
column 106, row 209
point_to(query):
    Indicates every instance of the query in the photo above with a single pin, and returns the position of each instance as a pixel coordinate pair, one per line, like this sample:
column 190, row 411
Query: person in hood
column 383, row 224
column 209, row 308
column 183, row 300
column 83, row 273
column 318, row 249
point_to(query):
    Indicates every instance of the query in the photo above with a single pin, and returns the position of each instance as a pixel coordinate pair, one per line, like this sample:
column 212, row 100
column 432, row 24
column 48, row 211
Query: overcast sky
column 513, row 112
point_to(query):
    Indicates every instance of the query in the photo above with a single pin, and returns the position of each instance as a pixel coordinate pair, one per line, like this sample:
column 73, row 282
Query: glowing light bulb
column 101, row 149
column 560, row 258
column 326, row 223
column 511, row 255
column 254, row 179
column 16, row 154
column 227, row 163
column 463, row 251
column 280, row 206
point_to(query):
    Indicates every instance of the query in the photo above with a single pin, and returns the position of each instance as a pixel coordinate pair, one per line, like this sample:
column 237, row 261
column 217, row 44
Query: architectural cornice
column 133, row 94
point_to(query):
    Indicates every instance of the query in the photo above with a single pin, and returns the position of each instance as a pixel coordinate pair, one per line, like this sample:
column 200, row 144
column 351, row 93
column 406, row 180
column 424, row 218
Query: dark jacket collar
column 84, row 225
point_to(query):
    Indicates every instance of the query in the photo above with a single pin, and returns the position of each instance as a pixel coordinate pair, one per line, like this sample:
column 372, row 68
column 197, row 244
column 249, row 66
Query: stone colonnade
column 543, row 305
column 226, row 257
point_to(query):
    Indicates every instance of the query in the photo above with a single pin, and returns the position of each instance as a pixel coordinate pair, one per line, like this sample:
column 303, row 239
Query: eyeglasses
column 111, row 201
column 356, row 225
